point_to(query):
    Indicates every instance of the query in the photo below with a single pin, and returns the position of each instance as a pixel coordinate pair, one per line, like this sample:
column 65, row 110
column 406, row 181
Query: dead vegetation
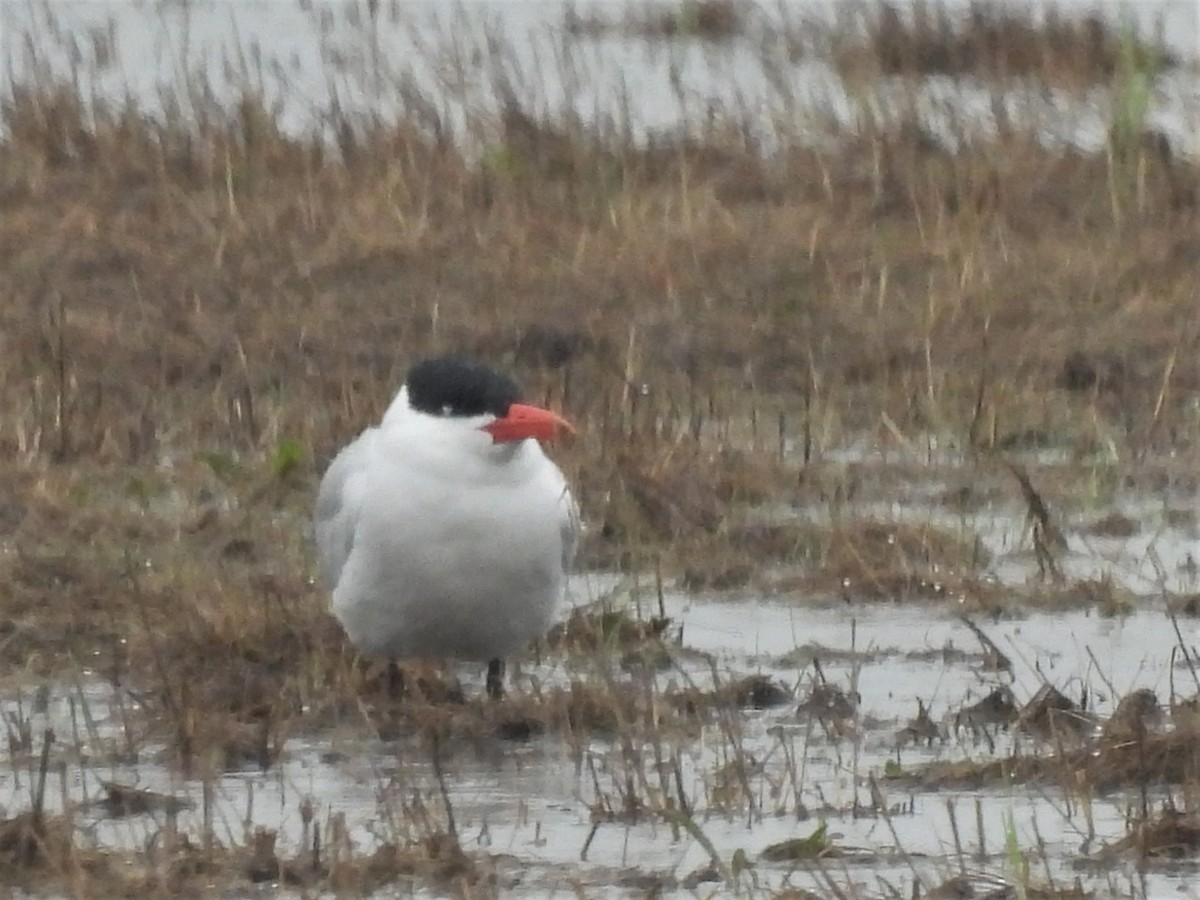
column 196, row 312
column 820, row 321
column 48, row 855
column 1170, row 834
column 993, row 42
column 1133, row 747
column 710, row 20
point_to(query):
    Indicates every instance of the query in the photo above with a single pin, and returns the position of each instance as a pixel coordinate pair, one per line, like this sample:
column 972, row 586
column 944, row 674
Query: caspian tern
column 444, row 531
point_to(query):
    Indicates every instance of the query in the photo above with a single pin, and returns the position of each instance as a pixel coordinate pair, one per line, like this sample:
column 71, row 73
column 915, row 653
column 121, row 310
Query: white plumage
column 439, row 541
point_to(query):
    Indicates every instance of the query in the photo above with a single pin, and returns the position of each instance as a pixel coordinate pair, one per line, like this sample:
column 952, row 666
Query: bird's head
column 451, row 387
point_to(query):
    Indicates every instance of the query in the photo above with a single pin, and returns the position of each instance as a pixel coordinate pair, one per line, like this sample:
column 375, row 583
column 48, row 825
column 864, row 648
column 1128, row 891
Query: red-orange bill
column 527, row 422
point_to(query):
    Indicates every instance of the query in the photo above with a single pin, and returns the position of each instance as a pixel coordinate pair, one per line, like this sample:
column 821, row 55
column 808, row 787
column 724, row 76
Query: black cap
column 452, row 386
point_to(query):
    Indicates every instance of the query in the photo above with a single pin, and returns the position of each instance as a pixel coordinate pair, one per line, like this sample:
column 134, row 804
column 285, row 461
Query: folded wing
column 339, row 506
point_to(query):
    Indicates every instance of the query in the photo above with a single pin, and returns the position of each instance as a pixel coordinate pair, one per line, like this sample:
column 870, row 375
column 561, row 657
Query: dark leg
column 495, row 679
column 395, row 680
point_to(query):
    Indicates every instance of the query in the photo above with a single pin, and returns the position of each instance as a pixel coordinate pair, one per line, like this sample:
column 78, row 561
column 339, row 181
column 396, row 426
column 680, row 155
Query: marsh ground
column 888, row 426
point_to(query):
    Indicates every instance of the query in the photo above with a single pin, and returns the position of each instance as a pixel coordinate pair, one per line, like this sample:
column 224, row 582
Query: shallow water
column 530, row 805
column 531, row 801
column 306, row 59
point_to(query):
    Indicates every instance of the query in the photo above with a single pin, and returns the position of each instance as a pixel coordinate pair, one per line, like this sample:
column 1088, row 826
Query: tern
column 445, row 531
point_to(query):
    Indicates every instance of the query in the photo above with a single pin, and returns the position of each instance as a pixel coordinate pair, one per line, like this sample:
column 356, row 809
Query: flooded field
column 852, row 740
column 609, row 65
column 879, row 327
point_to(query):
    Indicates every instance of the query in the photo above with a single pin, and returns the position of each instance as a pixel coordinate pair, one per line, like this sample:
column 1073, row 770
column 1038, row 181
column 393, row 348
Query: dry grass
column 38, row 855
column 990, row 41
column 169, row 292
column 1133, row 747
column 195, row 315
column 711, row 20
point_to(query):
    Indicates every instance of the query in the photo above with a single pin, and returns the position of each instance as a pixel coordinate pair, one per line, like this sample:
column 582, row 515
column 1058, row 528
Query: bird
column 445, row 531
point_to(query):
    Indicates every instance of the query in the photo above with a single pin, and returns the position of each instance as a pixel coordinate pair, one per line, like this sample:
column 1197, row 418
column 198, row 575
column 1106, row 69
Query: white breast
column 436, row 543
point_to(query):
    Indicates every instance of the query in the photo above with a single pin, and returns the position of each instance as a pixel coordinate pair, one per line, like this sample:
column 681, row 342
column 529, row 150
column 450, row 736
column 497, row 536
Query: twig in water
column 435, row 747
column 1183, row 647
column 996, row 658
column 1048, row 540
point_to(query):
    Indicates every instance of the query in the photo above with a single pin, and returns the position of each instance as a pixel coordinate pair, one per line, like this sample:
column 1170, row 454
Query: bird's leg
column 495, row 679
column 395, row 680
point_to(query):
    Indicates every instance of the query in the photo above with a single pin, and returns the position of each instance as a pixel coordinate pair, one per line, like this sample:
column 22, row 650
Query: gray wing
column 570, row 526
column 339, row 506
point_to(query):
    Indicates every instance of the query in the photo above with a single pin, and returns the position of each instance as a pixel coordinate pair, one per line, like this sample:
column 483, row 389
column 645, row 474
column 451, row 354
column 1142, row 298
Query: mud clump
column 1052, row 716
column 709, row 20
column 1126, row 749
column 1137, row 715
column 120, row 801
column 1171, row 834
column 833, row 707
column 921, row 729
column 996, row 711
column 588, row 630
column 750, row 692
column 990, row 41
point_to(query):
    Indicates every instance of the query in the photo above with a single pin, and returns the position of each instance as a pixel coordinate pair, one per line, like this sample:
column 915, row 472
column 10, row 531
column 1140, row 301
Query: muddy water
column 529, row 804
column 307, row 58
